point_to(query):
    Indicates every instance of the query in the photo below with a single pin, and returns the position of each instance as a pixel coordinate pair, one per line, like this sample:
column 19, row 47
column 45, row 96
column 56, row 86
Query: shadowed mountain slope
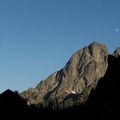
column 76, row 80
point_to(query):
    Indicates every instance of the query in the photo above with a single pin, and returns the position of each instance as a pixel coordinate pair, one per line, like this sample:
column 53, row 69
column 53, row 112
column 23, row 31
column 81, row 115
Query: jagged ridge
column 76, row 80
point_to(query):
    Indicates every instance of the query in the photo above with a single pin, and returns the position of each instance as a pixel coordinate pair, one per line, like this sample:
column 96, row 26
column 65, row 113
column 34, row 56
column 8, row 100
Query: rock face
column 117, row 52
column 72, row 84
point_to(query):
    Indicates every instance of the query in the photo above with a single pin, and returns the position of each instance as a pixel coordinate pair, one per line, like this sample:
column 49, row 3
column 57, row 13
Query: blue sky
column 37, row 37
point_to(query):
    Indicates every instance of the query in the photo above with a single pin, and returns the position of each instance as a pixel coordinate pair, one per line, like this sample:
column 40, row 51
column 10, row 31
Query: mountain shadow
column 11, row 104
column 104, row 101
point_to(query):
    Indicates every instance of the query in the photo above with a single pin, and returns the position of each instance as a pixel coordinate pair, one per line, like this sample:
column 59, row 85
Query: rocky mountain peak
column 116, row 53
column 76, row 80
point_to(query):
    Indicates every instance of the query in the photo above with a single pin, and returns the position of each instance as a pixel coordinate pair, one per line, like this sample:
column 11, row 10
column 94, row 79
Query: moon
column 117, row 29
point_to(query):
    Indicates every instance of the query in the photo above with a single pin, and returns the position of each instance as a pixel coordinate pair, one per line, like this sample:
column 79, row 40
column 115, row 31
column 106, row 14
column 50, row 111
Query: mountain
column 104, row 101
column 87, row 87
column 116, row 53
column 72, row 84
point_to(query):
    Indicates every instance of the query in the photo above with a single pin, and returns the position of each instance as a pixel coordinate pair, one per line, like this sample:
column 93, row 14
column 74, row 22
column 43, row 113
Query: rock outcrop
column 72, row 84
column 116, row 53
